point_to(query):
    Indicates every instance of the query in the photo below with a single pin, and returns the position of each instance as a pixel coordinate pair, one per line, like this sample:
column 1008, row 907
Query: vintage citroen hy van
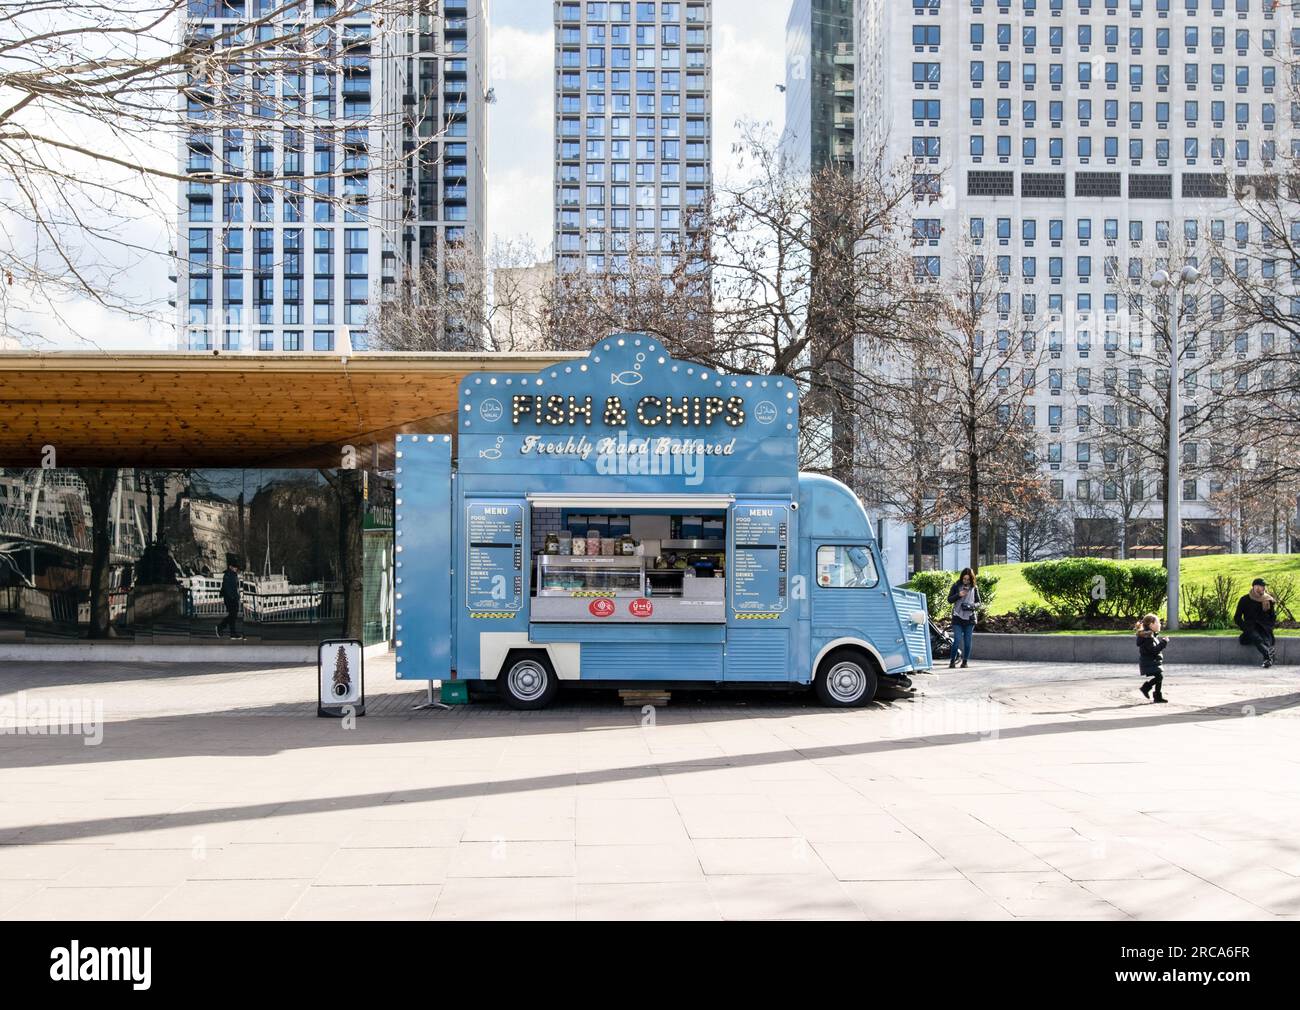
column 635, row 521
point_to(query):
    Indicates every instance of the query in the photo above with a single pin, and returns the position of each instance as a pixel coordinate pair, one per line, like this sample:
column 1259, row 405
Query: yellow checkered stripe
column 492, row 616
column 757, row 617
column 586, row 594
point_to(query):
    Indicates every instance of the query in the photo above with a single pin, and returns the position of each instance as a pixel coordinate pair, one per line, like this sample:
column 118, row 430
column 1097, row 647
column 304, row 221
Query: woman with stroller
column 965, row 599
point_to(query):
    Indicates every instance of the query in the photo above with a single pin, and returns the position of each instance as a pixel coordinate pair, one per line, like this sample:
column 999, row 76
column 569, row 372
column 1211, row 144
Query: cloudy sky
column 749, row 45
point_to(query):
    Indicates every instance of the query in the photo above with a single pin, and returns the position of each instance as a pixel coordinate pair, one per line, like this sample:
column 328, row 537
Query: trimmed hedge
column 934, row 586
column 1094, row 587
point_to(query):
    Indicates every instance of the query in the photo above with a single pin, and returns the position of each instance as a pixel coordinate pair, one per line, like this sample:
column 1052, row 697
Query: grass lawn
column 1013, row 590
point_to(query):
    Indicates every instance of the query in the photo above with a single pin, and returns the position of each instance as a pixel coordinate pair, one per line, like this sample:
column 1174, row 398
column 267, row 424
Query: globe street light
column 1173, row 490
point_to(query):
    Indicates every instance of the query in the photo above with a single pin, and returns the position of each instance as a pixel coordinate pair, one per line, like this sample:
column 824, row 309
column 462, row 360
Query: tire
column 527, row 681
column 846, row 678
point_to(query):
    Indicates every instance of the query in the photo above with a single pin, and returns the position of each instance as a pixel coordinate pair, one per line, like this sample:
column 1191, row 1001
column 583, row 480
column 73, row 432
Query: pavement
column 1008, row 790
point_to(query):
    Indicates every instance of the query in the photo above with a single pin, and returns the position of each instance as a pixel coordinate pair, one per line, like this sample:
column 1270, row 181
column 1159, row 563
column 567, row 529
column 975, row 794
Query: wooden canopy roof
column 264, row 410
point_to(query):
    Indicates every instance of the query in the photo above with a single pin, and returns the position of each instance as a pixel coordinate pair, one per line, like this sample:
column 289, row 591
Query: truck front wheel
column 527, row 680
column 846, row 679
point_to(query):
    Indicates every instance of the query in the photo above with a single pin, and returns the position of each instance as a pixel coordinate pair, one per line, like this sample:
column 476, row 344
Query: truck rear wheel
column 846, row 679
column 527, row 680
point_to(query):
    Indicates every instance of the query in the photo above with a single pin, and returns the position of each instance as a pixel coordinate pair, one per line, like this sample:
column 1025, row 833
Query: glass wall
column 163, row 538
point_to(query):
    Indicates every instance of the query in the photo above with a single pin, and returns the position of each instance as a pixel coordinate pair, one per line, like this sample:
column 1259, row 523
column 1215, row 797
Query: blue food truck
column 630, row 520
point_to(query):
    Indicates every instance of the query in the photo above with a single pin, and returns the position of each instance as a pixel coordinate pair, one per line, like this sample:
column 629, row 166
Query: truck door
column 423, row 589
column 851, row 600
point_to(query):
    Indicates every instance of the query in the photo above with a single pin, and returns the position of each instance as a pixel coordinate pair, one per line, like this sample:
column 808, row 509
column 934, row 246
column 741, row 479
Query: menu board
column 495, row 524
column 759, row 559
column 759, row 525
column 494, row 576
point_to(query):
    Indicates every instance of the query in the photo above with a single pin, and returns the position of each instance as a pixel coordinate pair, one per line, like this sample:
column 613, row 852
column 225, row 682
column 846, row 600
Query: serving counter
column 604, row 589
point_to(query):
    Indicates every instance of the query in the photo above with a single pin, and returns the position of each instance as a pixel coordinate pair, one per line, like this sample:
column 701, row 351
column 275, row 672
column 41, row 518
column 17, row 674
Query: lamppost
column 1173, row 488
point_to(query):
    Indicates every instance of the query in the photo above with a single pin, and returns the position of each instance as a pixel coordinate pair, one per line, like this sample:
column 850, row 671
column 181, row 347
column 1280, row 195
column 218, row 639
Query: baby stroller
column 940, row 642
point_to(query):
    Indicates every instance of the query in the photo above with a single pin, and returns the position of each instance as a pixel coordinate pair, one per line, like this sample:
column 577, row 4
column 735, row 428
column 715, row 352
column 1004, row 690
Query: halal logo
column 491, row 410
column 765, row 412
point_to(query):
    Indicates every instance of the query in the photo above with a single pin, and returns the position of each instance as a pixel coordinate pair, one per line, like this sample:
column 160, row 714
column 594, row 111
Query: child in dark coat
column 1151, row 655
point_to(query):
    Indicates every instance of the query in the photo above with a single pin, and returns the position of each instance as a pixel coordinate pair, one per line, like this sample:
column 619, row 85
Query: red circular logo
column 641, row 608
column 601, row 608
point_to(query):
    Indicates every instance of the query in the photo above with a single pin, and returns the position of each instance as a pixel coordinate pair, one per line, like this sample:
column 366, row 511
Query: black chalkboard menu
column 494, row 566
column 759, row 558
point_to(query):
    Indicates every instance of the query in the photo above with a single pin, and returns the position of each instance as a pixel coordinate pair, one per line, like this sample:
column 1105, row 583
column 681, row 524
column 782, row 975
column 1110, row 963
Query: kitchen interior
column 665, row 556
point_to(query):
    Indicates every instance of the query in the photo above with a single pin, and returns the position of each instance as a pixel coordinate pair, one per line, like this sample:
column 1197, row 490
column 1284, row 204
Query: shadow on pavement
column 183, row 742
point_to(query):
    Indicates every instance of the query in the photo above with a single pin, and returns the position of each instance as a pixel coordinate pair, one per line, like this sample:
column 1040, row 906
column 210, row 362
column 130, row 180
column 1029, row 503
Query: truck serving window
column 846, row 568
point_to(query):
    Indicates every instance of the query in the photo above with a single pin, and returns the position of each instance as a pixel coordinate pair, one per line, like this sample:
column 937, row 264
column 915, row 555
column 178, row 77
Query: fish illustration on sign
column 625, row 378
column 493, row 453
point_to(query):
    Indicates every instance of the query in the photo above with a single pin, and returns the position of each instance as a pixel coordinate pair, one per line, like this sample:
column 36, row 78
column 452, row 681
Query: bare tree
column 812, row 276
column 1256, row 499
column 1261, row 256
column 986, row 364
column 468, row 302
column 99, row 98
column 663, row 292
column 347, row 485
column 1121, row 494
column 1219, row 376
column 1045, row 532
column 903, row 444
column 101, row 483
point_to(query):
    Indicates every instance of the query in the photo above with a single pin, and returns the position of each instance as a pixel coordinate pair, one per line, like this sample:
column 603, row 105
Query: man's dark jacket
column 230, row 588
column 1251, row 615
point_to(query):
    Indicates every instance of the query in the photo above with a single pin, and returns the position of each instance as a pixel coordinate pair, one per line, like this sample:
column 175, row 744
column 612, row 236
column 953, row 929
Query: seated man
column 1256, row 614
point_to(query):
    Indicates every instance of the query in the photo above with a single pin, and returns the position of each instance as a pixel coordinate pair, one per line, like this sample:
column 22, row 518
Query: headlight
column 919, row 617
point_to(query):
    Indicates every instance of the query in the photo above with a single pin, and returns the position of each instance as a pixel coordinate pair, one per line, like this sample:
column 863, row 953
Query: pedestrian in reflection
column 230, row 597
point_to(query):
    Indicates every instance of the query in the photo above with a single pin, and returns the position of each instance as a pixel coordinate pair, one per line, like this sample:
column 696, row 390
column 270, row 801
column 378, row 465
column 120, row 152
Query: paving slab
column 1022, row 790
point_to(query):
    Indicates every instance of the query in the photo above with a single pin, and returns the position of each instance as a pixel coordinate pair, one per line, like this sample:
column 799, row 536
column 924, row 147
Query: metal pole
column 1173, row 493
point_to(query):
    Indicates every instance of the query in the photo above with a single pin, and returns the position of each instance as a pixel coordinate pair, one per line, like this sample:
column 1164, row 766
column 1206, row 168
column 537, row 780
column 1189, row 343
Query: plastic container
column 579, row 547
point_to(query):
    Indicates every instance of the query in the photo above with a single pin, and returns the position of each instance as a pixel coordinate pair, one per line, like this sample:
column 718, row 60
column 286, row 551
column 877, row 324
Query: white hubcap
column 847, row 682
column 527, row 681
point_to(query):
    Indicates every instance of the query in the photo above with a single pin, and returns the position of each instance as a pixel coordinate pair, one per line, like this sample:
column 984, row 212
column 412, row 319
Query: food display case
column 561, row 575
column 624, row 589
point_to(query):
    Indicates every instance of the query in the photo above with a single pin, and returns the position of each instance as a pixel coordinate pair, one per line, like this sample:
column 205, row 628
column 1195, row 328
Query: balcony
column 844, row 54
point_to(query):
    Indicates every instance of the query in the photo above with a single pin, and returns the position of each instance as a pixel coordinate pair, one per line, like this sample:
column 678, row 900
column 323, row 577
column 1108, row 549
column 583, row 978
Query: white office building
column 316, row 188
column 633, row 128
column 1068, row 134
